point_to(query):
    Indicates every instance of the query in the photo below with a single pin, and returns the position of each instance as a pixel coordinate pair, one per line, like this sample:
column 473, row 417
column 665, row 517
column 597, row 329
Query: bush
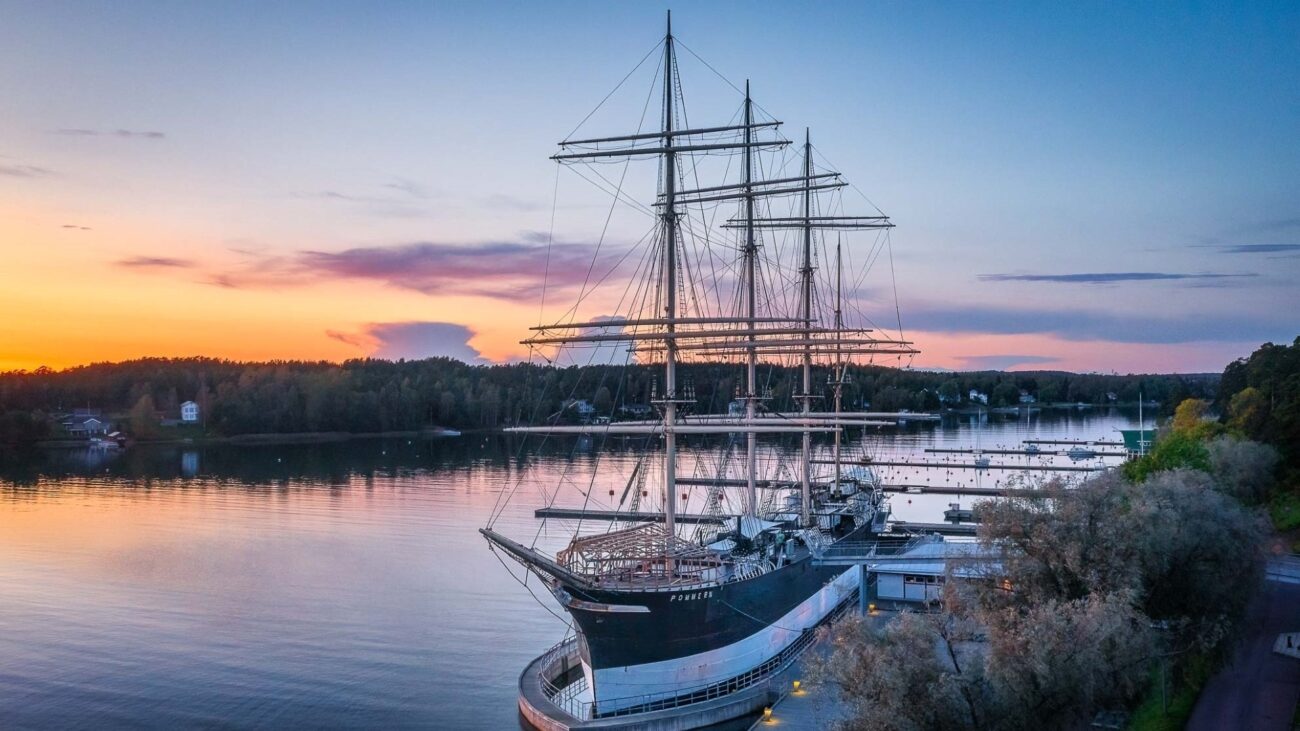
column 1183, row 552
column 1175, row 450
column 1064, row 622
column 1284, row 509
column 1242, row 468
column 1048, row 668
column 1197, row 553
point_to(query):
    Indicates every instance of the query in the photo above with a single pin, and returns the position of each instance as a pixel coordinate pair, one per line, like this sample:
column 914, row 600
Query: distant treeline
column 377, row 395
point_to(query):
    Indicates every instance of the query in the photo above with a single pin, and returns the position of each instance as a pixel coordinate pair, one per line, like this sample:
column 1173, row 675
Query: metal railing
column 865, row 549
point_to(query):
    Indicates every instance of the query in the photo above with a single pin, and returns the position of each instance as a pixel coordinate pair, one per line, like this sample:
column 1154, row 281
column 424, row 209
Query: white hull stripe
column 624, row 687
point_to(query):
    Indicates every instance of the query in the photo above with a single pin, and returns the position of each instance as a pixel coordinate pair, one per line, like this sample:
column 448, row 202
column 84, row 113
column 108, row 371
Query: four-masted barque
column 664, row 614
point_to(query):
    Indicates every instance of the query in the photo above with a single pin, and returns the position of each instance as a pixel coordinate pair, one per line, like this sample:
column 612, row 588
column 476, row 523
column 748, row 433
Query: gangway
column 887, row 551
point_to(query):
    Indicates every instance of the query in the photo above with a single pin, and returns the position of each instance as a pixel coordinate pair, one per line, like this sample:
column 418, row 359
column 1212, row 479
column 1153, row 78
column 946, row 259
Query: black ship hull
column 642, row 647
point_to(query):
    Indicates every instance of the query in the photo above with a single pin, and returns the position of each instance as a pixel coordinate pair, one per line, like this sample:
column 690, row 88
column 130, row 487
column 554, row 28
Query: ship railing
column 749, row 570
column 567, row 697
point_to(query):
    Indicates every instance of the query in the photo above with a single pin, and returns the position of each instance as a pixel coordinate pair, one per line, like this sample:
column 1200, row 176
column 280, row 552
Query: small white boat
column 1078, row 453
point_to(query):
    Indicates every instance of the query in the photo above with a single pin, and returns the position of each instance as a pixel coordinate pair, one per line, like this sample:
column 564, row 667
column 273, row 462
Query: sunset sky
column 1094, row 186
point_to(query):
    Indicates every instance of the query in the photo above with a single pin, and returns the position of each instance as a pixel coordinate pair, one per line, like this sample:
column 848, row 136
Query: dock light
column 767, row 715
column 871, row 607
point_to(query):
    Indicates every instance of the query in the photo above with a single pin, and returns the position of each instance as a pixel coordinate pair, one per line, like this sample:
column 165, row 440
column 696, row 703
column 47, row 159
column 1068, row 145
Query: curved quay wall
column 543, row 714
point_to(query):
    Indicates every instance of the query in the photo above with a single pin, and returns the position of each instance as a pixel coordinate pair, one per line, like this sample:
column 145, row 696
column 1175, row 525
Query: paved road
column 1260, row 689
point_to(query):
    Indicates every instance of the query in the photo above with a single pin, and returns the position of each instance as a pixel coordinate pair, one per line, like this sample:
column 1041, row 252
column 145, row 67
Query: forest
column 370, row 395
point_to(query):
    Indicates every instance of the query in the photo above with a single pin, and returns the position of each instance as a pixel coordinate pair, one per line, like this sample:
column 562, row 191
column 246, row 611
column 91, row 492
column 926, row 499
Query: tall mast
column 839, row 357
column 670, row 293
column 751, row 365
column 806, row 272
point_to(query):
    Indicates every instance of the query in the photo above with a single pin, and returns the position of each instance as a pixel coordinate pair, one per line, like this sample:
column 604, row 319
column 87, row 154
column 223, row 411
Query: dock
column 969, row 466
column 1025, row 452
column 1077, row 442
column 943, row 529
column 913, row 488
column 624, row 515
column 957, row 490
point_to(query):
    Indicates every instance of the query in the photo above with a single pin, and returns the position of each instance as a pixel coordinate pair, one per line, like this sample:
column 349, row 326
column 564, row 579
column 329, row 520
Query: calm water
column 338, row 585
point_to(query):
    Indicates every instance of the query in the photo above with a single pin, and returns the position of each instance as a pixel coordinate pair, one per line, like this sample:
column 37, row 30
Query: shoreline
column 330, row 437
column 327, row 437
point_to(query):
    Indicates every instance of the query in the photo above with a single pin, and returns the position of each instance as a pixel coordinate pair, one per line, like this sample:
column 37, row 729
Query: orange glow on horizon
column 69, row 301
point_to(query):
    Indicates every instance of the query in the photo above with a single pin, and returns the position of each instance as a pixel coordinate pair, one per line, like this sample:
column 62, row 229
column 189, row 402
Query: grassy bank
column 1154, row 715
column 1284, row 509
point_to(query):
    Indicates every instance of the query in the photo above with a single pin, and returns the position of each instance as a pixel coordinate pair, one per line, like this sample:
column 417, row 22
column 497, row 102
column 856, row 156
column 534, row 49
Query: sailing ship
column 663, row 615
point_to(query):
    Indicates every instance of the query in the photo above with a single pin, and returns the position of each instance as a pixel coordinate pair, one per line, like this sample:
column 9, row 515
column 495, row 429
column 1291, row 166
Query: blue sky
column 1094, row 186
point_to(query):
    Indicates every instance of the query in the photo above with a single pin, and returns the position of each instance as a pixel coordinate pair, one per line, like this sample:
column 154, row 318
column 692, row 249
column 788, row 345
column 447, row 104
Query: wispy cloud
column 334, row 195
column 155, row 262
column 122, row 133
column 25, row 171
column 409, row 187
column 500, row 270
column 1108, row 277
column 1137, row 327
column 412, row 340
column 503, row 270
column 385, row 205
column 1258, row 248
column 75, row 227
column 1001, row 362
column 501, row 201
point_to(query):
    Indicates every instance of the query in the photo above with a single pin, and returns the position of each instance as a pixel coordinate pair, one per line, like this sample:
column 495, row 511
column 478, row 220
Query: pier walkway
column 810, row 708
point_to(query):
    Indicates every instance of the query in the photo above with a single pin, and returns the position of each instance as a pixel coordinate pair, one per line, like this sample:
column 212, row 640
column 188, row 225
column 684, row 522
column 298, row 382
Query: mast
column 839, row 358
column 751, row 361
column 805, row 272
column 1142, row 428
column 670, row 294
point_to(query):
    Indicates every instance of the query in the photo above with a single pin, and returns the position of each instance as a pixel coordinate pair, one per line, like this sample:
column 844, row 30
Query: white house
column 189, row 412
column 85, row 426
column 1026, row 397
column 582, row 408
column 980, row 397
column 916, row 576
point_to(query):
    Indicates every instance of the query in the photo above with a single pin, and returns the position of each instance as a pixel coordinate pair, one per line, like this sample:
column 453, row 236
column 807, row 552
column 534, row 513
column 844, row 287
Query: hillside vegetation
column 379, row 395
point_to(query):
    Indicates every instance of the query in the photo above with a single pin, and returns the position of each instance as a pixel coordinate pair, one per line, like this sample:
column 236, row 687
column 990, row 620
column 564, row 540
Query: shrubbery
column 1089, row 586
